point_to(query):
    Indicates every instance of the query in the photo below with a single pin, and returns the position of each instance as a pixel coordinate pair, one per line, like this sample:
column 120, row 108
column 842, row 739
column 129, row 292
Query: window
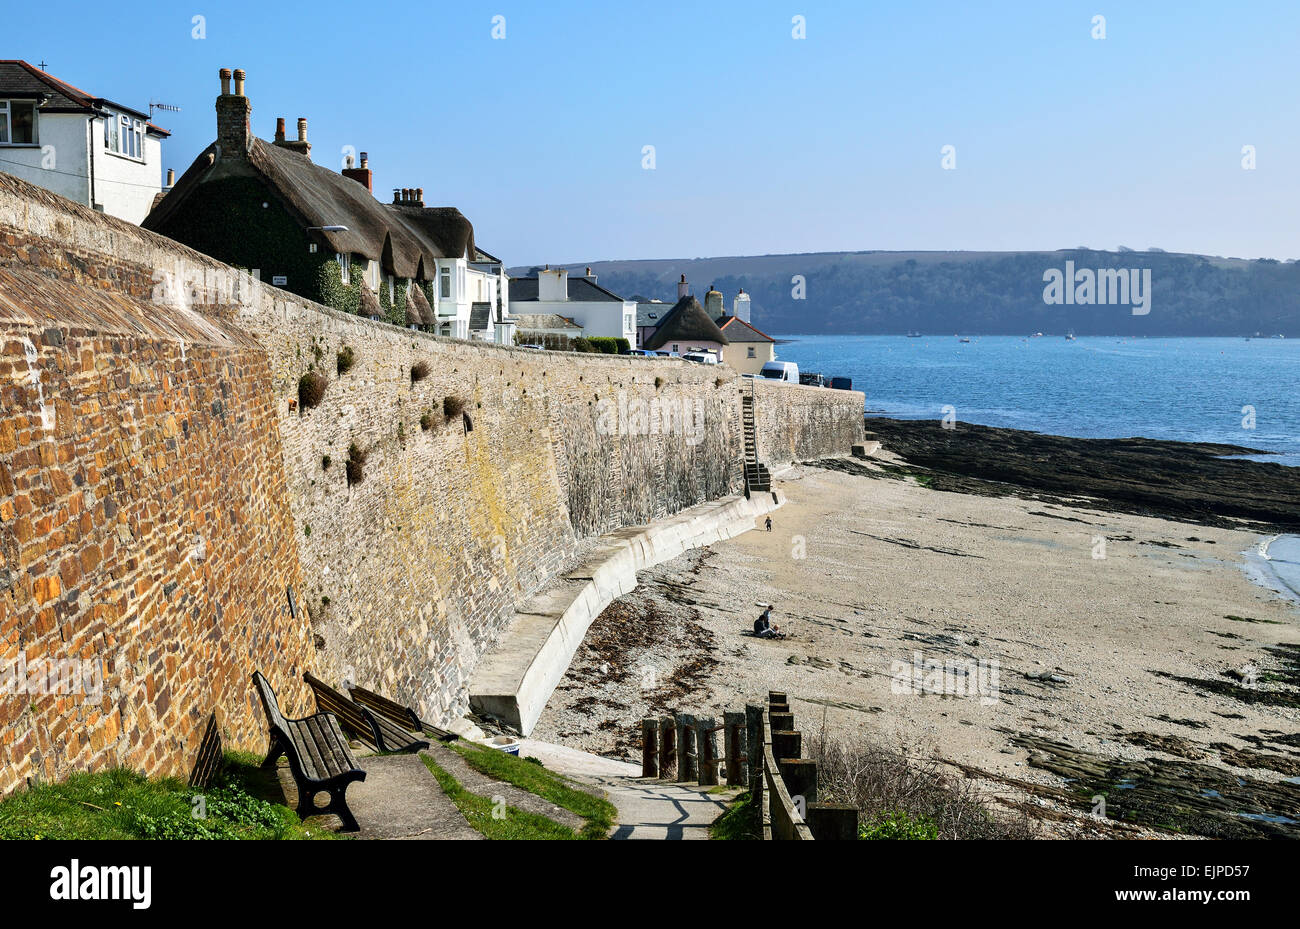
column 124, row 135
column 392, row 295
column 444, row 284
column 345, row 268
column 750, row 352
column 17, row 122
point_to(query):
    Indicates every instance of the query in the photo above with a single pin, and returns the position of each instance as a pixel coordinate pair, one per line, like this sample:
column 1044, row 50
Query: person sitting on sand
column 763, row 627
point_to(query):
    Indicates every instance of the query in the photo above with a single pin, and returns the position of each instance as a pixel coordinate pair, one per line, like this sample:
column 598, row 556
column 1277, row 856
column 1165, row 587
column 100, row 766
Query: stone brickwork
column 147, row 545
column 184, row 489
column 797, row 423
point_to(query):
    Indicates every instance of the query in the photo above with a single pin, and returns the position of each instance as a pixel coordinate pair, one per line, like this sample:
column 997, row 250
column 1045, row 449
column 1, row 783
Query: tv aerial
column 167, row 107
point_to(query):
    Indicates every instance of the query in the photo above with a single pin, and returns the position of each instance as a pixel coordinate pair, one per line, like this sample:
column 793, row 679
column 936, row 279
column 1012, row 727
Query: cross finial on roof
column 41, row 63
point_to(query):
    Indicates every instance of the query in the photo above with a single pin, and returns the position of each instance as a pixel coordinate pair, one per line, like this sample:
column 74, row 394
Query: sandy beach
column 1077, row 647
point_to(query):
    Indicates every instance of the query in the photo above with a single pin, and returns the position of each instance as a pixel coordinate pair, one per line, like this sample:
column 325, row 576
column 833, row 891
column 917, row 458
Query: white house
column 99, row 153
column 598, row 311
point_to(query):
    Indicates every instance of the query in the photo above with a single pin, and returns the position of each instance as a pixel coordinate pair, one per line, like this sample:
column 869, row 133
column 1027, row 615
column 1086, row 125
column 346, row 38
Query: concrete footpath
column 647, row 809
column 516, row 678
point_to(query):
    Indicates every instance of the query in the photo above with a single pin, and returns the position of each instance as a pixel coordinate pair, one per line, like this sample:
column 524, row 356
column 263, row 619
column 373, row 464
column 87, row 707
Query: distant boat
column 914, row 335
column 965, row 340
column 1069, row 337
column 1038, row 335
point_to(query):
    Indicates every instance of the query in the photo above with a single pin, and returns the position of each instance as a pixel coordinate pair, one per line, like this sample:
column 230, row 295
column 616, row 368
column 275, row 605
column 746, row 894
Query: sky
column 763, row 142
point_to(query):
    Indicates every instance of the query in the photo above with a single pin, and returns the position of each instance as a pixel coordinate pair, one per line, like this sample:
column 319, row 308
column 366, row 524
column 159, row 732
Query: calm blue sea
column 1093, row 387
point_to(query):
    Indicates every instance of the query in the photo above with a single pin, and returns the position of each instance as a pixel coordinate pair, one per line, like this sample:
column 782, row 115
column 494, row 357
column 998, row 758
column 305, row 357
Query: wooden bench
column 318, row 756
column 375, row 731
column 404, row 716
column 209, row 758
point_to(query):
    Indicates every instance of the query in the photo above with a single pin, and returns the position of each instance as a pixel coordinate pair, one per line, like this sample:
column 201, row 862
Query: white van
column 786, row 371
column 701, row 358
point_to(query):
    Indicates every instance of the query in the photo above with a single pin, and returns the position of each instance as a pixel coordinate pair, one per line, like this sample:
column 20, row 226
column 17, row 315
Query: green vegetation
column 508, row 823
column 990, row 293
column 345, row 360
column 607, row 345
column 897, row 824
column 121, row 804
column 419, row 371
column 529, row 775
column 311, row 390
column 452, row 407
column 741, row 821
column 356, row 466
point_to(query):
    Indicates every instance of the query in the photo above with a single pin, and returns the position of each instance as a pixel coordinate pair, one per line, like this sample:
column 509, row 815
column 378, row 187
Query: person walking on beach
column 763, row 627
column 769, row 524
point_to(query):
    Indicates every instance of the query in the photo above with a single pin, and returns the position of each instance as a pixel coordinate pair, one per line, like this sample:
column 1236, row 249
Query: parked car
column 812, row 379
column 786, row 371
column 534, row 347
column 701, row 358
column 842, row 383
column 639, row 353
column 663, row 354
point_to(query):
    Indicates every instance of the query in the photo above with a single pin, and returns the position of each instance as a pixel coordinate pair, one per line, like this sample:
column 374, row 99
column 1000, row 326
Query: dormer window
column 17, row 122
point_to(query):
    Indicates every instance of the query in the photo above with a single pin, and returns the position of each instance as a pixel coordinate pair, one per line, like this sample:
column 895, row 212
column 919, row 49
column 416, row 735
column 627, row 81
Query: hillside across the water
column 987, row 293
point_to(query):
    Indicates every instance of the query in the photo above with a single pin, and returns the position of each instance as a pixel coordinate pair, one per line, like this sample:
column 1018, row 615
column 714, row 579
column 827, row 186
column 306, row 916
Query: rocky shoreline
column 1186, row 481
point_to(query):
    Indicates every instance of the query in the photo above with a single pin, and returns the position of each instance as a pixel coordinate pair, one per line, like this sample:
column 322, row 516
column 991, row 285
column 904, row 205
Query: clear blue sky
column 763, row 143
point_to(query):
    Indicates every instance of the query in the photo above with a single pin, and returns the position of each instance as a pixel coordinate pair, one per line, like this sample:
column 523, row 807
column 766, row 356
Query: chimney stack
column 683, row 288
column 299, row 145
column 171, row 178
column 713, row 303
column 741, row 308
column 363, row 174
column 233, row 110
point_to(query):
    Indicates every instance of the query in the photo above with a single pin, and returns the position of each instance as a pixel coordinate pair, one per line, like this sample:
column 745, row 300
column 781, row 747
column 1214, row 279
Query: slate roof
column 737, row 330
column 581, row 290
column 686, row 322
column 19, row 79
column 533, row 321
column 480, row 314
column 651, row 314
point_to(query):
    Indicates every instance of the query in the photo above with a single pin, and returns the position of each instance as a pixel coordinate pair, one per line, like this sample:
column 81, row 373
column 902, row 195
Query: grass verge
column 240, row 803
column 740, row 821
column 532, row 777
column 493, row 820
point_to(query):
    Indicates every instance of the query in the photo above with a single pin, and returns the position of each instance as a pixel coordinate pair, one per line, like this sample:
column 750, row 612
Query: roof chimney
column 361, row 175
column 683, row 288
column 233, row 135
column 171, row 178
column 741, row 307
column 713, row 303
column 591, row 277
column 299, row 145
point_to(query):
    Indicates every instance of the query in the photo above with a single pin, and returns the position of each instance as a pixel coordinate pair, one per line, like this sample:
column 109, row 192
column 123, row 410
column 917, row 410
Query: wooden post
column 787, row 744
column 754, row 745
column 733, row 723
column 781, row 722
column 831, row 822
column 777, row 696
column 706, row 741
column 667, row 746
column 649, row 747
column 685, row 748
column 800, row 776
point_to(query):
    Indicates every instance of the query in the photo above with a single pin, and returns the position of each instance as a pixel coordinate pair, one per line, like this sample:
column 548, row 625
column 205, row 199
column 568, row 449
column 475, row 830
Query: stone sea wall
column 163, row 488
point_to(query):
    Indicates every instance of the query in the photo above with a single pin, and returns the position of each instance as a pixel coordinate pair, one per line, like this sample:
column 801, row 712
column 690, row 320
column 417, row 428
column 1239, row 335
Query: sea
column 1234, row 391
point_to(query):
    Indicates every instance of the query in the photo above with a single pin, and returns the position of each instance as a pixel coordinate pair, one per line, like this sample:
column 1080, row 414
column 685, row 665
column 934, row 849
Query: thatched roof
column 404, row 239
column 369, row 302
column 419, row 303
column 686, row 322
column 444, row 228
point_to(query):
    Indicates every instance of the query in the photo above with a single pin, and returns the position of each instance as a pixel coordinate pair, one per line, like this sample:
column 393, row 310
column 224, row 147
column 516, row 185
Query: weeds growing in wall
column 311, row 390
